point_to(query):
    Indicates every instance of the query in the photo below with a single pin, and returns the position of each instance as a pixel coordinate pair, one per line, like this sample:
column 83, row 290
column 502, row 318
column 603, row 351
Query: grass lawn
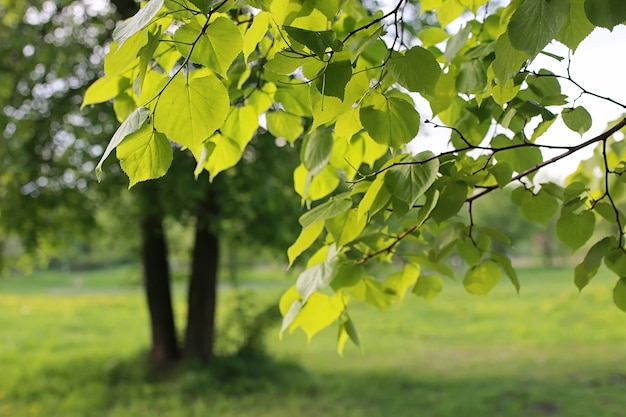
column 74, row 345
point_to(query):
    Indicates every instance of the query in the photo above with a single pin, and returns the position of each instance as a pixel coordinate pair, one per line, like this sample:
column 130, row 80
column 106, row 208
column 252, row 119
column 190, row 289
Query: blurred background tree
column 51, row 209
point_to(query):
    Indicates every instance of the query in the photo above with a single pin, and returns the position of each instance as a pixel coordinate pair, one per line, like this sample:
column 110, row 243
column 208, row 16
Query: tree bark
column 202, row 296
column 164, row 349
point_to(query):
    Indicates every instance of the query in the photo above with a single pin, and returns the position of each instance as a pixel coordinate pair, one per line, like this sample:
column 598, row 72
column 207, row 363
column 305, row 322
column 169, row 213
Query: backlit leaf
column 346, row 227
column 141, row 19
column 576, row 27
column 428, row 286
column 284, row 125
column 188, row 112
column 133, row 123
column 144, row 154
column 481, row 279
column 216, row 48
column 398, row 284
column 307, row 236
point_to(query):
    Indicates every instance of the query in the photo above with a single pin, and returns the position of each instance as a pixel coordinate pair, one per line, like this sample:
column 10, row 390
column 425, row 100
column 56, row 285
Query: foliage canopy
column 341, row 79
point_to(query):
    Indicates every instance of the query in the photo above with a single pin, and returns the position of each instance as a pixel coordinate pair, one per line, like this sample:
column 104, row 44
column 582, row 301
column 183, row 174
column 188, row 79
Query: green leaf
column 284, row 125
column 347, row 330
column 417, row 70
column 319, row 312
column 375, row 199
column 588, row 268
column 140, row 20
column 130, row 125
column 372, row 292
column 535, row 23
column 240, row 125
column 349, row 275
column 328, row 210
column 428, row 286
column 410, row 181
column 502, row 172
column 389, row 120
column 481, row 279
column 188, row 112
column 397, row 284
column 317, row 41
column 508, row 60
column 284, row 63
column 104, row 89
column 432, row 36
column 216, row 49
column 313, row 187
column 577, row 119
column 606, row 13
column 451, row 199
column 505, row 263
column 318, row 276
column 619, row 294
column 575, row 229
column 519, row 158
column 539, row 208
column 577, row 27
column 346, row 227
column 472, row 77
column 333, row 78
column 144, row 154
column 317, row 149
column 255, row 33
column 307, row 236
column 468, row 251
column 222, row 152
column 615, row 260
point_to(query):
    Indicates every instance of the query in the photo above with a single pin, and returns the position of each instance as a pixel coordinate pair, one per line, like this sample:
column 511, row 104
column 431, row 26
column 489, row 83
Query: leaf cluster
column 348, row 84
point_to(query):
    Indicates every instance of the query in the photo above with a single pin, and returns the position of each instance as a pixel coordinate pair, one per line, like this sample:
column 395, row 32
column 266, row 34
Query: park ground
column 74, row 345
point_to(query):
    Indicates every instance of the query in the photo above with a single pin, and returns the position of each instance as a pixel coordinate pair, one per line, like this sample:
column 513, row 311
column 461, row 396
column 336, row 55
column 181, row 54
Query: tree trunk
column 202, row 297
column 156, row 272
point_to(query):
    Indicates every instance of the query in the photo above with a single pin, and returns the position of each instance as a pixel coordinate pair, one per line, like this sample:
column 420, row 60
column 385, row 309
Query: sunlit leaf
column 141, row 19
column 144, row 154
column 428, row 286
column 130, row 125
column 481, row 279
column 188, row 112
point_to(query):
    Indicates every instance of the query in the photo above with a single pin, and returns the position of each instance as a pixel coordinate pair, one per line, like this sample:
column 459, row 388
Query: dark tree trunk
column 202, row 297
column 164, row 349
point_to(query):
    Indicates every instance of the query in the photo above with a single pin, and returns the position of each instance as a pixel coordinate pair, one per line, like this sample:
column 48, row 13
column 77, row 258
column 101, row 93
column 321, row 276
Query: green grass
column 74, row 345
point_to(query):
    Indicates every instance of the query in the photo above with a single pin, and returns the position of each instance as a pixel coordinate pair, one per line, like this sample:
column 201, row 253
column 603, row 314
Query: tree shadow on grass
column 261, row 386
